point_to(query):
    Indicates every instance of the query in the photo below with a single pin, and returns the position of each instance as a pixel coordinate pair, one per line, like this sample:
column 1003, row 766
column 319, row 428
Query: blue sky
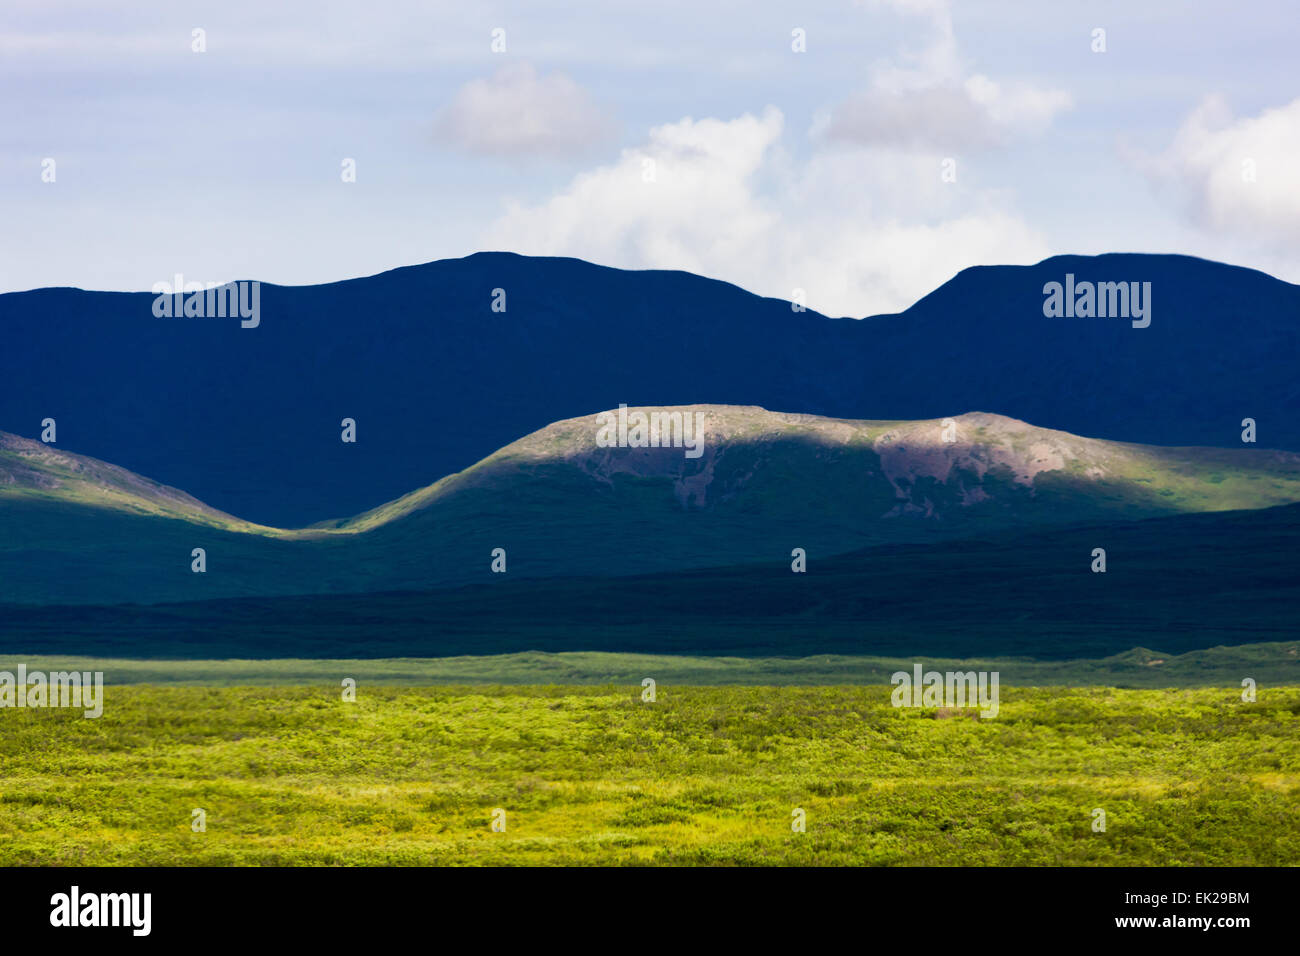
column 819, row 171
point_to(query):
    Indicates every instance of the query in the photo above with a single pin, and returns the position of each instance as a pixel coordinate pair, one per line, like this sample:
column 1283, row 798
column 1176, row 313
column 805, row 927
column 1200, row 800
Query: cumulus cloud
column 1236, row 174
column 519, row 112
column 926, row 99
column 859, row 233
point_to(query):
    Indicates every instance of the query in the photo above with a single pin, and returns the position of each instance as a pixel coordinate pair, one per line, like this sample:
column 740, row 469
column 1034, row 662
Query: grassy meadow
column 291, row 774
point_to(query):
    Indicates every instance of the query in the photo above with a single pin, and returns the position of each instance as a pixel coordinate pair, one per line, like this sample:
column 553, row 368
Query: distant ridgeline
column 439, row 365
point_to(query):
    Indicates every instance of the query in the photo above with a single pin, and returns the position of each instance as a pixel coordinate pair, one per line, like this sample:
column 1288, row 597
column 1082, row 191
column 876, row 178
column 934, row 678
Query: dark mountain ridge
column 248, row 419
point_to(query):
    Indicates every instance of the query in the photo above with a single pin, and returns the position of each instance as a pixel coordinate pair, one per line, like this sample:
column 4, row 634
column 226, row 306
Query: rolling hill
column 74, row 530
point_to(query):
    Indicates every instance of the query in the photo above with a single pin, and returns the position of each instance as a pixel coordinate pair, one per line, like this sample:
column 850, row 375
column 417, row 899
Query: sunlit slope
column 38, row 473
column 942, row 469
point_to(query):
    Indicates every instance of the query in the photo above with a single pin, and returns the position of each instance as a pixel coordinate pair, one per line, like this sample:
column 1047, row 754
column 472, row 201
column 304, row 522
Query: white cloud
column 926, row 98
column 518, row 112
column 861, row 233
column 1237, row 175
column 1016, row 106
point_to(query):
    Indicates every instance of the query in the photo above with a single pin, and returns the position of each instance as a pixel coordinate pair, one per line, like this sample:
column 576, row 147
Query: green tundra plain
column 713, row 771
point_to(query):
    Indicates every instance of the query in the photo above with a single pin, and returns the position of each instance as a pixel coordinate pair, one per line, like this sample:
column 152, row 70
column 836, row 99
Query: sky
column 851, row 155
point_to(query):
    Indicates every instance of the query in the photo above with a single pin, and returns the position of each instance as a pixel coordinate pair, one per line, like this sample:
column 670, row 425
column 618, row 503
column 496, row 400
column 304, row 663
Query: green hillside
column 75, row 530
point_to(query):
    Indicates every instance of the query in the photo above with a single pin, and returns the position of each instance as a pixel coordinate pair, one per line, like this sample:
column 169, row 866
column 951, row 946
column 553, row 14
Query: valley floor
column 703, row 775
column 1266, row 663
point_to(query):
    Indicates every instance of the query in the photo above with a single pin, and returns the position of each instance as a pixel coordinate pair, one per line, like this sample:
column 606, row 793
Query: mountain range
column 835, row 497
column 249, row 419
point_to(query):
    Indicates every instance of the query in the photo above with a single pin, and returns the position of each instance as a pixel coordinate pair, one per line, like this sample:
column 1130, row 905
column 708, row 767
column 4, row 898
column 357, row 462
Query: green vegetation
column 704, row 775
column 1267, row 664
